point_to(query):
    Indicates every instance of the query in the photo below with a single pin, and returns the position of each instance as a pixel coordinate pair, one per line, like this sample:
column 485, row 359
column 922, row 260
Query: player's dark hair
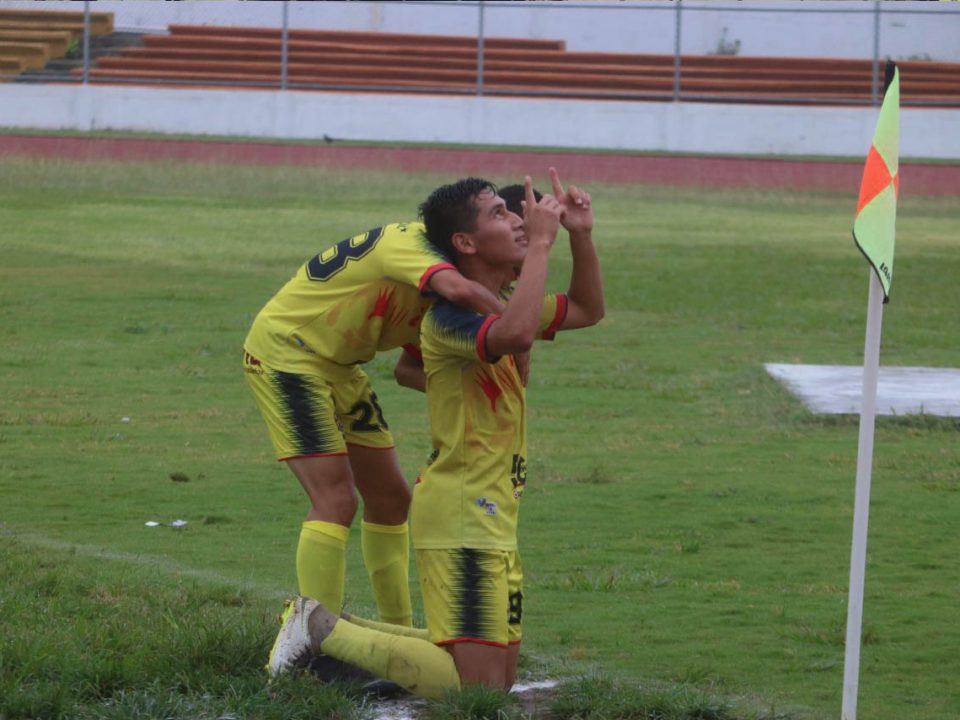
column 451, row 209
column 513, row 194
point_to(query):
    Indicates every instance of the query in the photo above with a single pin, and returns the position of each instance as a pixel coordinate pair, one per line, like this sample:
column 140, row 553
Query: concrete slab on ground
column 836, row 389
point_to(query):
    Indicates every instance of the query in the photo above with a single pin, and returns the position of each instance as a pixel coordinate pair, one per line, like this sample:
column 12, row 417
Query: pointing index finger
column 528, row 191
column 555, row 181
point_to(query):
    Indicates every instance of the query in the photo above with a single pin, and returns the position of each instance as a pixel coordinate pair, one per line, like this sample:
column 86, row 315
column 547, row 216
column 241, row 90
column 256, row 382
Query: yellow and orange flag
column 874, row 229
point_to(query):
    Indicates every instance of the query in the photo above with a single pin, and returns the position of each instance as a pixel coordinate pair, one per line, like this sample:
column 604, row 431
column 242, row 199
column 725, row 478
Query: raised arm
column 469, row 294
column 516, row 329
column 585, row 294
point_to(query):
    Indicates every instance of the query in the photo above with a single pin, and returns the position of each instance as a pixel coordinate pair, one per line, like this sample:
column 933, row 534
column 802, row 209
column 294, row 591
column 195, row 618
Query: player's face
column 499, row 232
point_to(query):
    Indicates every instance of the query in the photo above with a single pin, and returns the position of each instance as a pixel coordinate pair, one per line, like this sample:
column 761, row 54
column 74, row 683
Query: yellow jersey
column 344, row 304
column 469, row 493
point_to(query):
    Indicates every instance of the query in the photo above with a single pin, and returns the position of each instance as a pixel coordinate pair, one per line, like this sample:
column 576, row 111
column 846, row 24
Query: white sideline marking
column 160, row 563
column 407, row 709
column 521, row 688
column 836, row 389
column 397, row 710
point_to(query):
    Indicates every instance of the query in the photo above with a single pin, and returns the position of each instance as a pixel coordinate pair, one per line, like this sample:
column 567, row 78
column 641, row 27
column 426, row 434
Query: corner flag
column 873, row 232
column 873, row 227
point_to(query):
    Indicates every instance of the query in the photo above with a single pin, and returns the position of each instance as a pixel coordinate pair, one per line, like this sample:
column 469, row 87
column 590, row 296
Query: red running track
column 676, row 170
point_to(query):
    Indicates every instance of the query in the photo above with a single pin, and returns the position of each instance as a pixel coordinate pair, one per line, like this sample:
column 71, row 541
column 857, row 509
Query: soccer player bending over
column 465, row 504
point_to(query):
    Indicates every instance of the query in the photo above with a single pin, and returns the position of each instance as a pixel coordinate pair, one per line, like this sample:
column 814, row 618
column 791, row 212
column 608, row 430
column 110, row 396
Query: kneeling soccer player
column 465, row 505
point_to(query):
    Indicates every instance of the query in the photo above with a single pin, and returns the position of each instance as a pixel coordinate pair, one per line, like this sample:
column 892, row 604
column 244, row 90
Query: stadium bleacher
column 198, row 55
column 58, row 41
column 29, row 39
column 205, row 55
column 101, row 23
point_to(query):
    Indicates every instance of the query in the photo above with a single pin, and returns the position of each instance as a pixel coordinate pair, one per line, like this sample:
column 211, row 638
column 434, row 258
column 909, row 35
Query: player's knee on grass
column 513, row 657
column 479, row 664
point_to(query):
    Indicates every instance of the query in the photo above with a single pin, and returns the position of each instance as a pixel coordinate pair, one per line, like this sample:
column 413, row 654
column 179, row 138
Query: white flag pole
column 861, row 503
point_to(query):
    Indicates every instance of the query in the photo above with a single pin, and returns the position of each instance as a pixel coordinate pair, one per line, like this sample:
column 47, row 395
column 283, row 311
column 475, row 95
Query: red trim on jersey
column 415, row 351
column 371, row 447
column 482, row 338
column 433, row 270
column 514, row 642
column 559, row 316
column 310, row 455
column 478, row 641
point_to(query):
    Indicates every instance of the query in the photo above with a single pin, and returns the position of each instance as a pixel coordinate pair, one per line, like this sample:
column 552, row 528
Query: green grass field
column 686, row 524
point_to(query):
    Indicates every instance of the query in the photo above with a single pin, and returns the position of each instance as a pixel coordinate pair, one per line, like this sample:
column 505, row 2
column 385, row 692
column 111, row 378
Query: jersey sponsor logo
column 489, row 507
column 251, row 364
column 325, row 265
column 518, row 474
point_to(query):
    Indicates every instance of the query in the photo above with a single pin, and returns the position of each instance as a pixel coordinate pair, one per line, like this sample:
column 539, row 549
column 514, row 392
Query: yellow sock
column 417, row 665
column 404, row 630
column 322, row 562
column 386, row 553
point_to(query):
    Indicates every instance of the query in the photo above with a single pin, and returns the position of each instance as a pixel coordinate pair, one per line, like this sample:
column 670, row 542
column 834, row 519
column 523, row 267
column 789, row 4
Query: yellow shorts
column 317, row 414
column 472, row 595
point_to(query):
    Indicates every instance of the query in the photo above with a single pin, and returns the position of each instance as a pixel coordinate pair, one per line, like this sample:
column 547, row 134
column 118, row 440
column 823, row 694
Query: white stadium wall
column 502, row 122
column 641, row 126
